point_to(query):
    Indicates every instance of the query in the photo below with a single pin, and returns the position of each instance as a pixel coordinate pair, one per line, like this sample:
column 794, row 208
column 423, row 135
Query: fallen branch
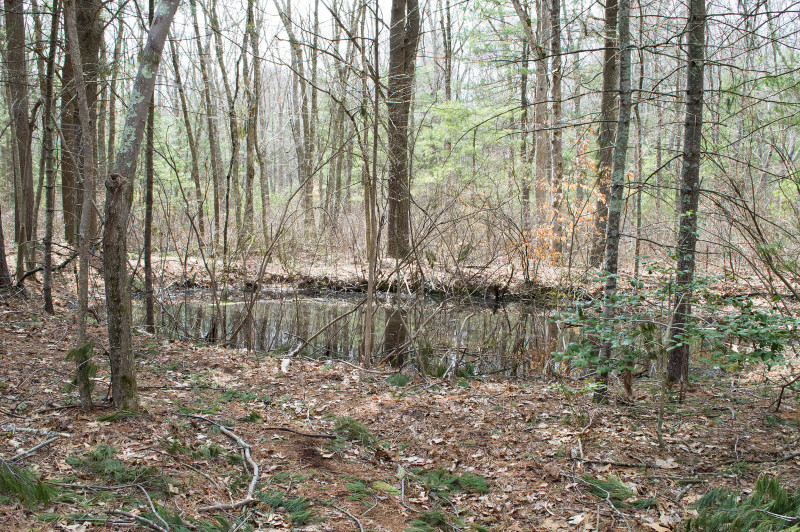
column 788, row 384
column 41, row 268
column 145, row 521
column 764, row 461
column 248, row 498
column 638, row 465
column 153, row 508
column 306, row 434
column 351, row 516
column 43, row 432
column 32, row 449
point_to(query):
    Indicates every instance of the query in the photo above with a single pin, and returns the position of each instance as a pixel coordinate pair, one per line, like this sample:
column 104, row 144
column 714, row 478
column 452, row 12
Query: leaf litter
column 340, row 448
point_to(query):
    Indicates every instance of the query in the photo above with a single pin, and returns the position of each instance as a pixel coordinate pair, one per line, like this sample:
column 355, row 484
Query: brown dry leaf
column 552, row 471
column 656, row 526
column 669, row 463
column 553, row 525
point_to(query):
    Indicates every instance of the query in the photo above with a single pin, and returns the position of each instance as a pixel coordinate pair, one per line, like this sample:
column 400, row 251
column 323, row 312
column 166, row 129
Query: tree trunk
column 606, row 132
column 17, row 69
column 403, row 41
column 214, row 153
column 112, row 96
column 119, row 199
column 525, row 173
column 252, row 118
column 90, row 31
column 49, row 163
column 678, row 365
column 190, row 139
column 5, row 273
column 88, row 170
column 149, row 147
column 542, row 155
column 616, row 194
column 558, row 161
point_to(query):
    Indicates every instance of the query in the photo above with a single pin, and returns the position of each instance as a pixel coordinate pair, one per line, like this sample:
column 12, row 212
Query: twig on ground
column 607, row 499
column 43, row 432
column 32, row 449
column 306, row 434
column 766, row 460
column 152, row 507
column 145, row 521
column 348, row 514
column 248, row 498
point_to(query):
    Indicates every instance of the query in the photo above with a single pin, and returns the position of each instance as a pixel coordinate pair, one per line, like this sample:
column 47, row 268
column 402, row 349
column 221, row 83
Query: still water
column 454, row 337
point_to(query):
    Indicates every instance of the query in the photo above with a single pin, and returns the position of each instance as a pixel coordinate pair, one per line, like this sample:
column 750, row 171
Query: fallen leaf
column 669, row 463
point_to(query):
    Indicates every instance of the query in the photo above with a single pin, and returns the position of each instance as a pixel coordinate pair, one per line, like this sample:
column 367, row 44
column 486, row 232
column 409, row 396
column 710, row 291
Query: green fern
column 429, row 521
column 440, row 480
column 769, row 507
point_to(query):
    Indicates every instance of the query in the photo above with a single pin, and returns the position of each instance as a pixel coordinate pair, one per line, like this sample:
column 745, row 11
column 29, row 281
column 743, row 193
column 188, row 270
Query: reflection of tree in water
column 467, row 337
column 395, row 338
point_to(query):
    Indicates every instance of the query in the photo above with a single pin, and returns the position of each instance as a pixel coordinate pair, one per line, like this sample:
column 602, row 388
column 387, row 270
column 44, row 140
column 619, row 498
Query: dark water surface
column 464, row 337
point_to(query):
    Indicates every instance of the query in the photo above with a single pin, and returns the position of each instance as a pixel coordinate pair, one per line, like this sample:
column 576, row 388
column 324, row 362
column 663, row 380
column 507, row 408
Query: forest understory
column 341, row 447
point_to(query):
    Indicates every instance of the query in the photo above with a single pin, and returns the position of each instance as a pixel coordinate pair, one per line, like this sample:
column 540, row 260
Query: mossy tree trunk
column 119, row 200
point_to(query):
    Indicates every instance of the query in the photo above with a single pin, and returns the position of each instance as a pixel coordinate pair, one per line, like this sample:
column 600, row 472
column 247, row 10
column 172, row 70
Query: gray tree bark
column 403, row 41
column 606, row 134
column 678, row 364
column 82, row 356
column 49, row 162
column 149, row 148
column 616, row 199
column 119, row 200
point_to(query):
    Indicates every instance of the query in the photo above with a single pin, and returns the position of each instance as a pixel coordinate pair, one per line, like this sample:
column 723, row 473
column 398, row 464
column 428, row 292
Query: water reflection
column 456, row 338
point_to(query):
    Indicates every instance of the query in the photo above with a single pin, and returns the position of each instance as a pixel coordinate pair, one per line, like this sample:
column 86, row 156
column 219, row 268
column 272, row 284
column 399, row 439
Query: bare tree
column 83, row 353
column 616, row 199
column 119, row 200
column 17, row 68
column 678, row 365
column 49, row 161
column 403, row 41
column 607, row 131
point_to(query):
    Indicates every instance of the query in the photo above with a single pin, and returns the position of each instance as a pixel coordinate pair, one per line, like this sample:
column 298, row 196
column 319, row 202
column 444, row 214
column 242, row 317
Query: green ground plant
column 730, row 331
column 23, row 484
column 771, row 506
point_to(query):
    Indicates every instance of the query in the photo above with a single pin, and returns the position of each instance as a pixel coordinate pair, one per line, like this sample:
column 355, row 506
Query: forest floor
column 339, row 447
